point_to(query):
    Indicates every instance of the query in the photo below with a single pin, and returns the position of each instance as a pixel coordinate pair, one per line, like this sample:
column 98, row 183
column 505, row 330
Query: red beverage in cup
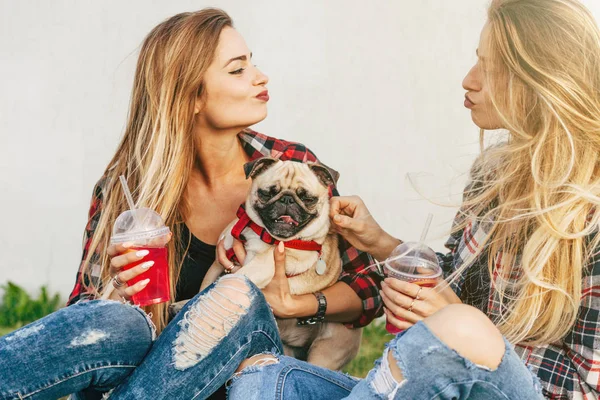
column 146, row 230
column 414, row 263
column 158, row 289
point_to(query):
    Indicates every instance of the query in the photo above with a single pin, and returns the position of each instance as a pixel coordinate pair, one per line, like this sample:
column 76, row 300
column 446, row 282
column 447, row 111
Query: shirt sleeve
column 571, row 369
column 82, row 280
column 359, row 273
column 363, row 280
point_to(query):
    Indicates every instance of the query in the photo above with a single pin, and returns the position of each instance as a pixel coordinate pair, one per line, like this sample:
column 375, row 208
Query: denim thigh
column 91, row 345
column 289, row 379
column 432, row 370
column 183, row 364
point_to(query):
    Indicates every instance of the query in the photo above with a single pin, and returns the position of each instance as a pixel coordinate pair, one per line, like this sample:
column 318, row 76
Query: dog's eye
column 306, row 198
column 267, row 193
column 309, row 200
column 264, row 195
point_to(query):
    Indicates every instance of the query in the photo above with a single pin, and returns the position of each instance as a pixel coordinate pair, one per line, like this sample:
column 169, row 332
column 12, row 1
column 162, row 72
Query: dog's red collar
column 245, row 222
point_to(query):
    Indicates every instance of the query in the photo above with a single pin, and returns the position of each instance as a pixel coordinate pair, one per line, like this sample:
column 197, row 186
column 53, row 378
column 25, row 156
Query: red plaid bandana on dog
column 244, row 222
column 354, row 263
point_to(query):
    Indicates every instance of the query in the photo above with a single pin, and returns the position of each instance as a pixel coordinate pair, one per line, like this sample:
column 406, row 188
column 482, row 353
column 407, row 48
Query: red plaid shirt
column 569, row 369
column 365, row 282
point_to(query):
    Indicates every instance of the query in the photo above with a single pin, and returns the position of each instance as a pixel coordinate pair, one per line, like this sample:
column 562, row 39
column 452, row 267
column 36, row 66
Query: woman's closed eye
column 239, row 71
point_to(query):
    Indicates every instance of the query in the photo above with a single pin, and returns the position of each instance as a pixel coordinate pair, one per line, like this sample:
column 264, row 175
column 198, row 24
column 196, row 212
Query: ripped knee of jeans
column 253, row 364
column 382, row 380
column 210, row 319
column 258, row 360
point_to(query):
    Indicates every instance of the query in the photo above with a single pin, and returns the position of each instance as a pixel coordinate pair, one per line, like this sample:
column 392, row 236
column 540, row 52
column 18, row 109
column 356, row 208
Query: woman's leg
column 455, row 354
column 204, row 345
column 91, row 345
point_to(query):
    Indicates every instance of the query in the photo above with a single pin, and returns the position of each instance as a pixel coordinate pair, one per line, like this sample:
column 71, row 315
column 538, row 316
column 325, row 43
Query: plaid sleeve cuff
column 363, row 280
column 367, row 289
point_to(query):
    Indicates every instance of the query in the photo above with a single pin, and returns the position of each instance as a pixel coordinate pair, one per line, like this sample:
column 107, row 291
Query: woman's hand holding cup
column 407, row 303
column 122, row 255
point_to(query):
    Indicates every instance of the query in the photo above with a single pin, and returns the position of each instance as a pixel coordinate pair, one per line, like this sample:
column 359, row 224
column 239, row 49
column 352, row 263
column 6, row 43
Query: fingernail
column 145, row 282
column 127, row 244
column 142, row 253
column 384, row 283
column 281, row 247
column 147, row 264
column 337, row 218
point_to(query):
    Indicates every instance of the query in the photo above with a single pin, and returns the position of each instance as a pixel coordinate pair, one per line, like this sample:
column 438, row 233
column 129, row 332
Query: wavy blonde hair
column 542, row 187
column 157, row 152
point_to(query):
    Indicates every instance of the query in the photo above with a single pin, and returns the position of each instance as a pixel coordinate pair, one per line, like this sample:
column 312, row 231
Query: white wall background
column 373, row 87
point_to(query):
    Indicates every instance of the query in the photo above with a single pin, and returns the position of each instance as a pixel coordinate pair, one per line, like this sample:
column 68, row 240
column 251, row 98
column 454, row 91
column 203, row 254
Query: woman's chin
column 257, row 118
column 484, row 123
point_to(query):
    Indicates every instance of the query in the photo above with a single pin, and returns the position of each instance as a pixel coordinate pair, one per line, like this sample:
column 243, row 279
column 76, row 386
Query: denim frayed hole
column 262, row 360
column 383, row 383
column 106, row 395
column 88, row 338
column 210, row 319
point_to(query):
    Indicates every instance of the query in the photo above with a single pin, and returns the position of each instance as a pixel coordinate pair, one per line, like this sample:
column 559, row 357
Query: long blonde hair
column 157, row 151
column 542, row 187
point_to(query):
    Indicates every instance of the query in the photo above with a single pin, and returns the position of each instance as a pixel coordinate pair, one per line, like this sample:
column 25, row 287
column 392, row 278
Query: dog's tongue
column 288, row 220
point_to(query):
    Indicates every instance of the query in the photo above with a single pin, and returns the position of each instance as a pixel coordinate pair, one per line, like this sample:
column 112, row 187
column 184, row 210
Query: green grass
column 373, row 342
column 4, row 330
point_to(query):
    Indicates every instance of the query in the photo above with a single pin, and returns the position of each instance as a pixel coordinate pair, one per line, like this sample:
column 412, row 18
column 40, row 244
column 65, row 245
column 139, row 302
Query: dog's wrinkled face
column 289, row 197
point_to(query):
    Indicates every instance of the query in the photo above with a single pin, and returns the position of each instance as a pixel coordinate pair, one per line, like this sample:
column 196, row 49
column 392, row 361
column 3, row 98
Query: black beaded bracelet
column 320, row 315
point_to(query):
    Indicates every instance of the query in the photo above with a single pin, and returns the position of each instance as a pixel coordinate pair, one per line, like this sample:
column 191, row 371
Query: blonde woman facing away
column 195, row 93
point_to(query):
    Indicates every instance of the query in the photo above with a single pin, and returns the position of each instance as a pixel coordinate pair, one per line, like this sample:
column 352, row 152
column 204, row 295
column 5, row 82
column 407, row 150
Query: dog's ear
column 258, row 166
column 326, row 175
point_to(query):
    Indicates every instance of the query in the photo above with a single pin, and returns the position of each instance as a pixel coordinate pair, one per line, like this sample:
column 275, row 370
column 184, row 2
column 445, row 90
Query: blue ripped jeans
column 106, row 347
column 100, row 347
column 431, row 370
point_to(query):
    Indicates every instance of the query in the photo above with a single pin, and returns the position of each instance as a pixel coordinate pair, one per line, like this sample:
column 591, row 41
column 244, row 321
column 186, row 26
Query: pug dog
column 290, row 200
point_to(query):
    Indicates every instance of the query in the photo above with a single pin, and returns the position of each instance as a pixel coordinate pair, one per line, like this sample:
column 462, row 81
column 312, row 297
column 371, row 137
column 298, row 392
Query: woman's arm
column 82, row 280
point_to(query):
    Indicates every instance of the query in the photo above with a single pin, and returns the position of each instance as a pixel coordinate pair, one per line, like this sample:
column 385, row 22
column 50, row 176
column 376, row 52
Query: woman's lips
column 264, row 96
column 468, row 103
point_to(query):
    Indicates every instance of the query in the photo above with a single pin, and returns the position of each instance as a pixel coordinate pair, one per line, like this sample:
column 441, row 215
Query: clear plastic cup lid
column 139, row 225
column 409, row 256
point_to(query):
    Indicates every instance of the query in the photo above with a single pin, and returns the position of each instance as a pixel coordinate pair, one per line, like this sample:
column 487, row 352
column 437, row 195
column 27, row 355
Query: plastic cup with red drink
column 145, row 229
column 415, row 263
